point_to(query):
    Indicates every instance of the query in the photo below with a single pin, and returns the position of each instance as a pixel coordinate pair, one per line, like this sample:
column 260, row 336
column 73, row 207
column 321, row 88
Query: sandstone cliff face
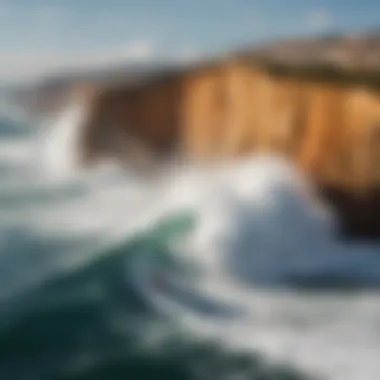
column 330, row 130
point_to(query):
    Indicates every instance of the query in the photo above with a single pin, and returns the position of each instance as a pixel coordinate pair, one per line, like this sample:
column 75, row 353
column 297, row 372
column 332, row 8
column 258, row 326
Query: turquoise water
column 89, row 324
column 107, row 276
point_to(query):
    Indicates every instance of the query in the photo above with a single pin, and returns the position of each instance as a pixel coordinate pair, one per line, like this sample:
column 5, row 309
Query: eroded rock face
column 330, row 130
column 132, row 123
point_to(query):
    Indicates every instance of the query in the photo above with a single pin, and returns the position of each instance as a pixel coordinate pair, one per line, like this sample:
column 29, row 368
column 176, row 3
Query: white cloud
column 34, row 64
column 319, row 20
column 38, row 52
column 140, row 51
column 25, row 65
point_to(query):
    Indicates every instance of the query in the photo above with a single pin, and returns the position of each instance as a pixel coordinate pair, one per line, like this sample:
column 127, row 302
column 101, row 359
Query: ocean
column 233, row 271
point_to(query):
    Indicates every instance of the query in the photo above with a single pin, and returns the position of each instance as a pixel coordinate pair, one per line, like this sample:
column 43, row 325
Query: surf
column 228, row 252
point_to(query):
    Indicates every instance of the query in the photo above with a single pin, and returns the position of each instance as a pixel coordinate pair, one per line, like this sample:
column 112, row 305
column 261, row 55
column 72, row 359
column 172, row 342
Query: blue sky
column 40, row 36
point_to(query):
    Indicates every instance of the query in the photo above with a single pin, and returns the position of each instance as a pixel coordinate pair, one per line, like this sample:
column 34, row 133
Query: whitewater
column 257, row 267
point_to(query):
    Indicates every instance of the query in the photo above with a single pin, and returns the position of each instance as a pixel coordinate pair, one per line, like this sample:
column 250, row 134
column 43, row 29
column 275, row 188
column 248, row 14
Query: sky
column 41, row 36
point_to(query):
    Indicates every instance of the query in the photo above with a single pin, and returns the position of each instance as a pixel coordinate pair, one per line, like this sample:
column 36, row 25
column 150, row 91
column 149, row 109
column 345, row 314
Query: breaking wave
column 105, row 269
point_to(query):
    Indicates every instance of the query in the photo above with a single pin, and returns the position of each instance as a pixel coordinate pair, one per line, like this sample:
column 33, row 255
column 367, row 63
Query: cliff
column 322, row 111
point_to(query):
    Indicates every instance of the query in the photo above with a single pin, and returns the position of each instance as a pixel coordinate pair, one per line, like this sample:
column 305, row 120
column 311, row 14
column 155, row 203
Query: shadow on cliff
column 358, row 214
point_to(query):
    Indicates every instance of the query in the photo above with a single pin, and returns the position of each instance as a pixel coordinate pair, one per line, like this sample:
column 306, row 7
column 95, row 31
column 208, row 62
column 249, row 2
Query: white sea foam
column 60, row 142
column 259, row 223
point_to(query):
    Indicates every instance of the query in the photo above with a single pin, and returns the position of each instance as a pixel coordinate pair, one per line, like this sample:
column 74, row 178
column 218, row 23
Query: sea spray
column 60, row 142
column 256, row 226
column 261, row 233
